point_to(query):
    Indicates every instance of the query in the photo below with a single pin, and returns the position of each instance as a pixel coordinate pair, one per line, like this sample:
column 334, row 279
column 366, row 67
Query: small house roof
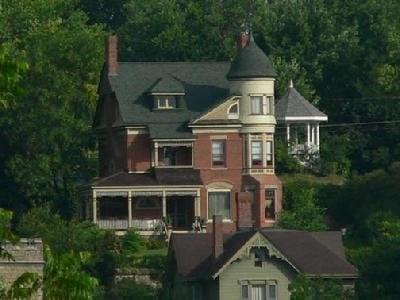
column 251, row 62
column 313, row 253
column 294, row 107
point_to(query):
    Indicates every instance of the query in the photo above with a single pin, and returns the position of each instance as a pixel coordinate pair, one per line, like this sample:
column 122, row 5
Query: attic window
column 165, row 101
column 233, row 111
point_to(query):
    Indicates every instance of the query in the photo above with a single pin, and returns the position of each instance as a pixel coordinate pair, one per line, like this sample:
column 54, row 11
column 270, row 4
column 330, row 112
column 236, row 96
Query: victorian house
column 180, row 142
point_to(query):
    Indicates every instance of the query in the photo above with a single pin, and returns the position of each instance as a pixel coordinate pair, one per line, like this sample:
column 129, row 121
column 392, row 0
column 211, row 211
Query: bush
column 315, row 289
column 285, row 162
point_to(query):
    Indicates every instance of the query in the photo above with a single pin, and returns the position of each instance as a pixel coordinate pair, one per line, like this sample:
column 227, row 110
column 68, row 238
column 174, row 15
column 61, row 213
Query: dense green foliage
column 303, row 288
column 343, row 56
column 128, row 290
column 301, row 209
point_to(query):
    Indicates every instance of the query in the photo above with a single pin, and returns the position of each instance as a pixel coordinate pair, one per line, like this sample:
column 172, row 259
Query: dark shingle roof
column 167, row 84
column 204, row 83
column 160, row 176
column 313, row 253
column 293, row 104
column 251, row 62
column 309, row 254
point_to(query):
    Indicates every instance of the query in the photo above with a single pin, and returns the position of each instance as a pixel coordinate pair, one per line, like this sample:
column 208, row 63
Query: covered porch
column 149, row 211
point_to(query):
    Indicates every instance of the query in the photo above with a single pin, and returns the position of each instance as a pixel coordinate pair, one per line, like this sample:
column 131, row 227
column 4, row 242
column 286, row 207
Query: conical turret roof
column 251, row 62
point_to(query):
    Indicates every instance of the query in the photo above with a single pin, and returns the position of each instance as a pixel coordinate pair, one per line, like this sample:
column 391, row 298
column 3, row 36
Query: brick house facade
column 180, row 142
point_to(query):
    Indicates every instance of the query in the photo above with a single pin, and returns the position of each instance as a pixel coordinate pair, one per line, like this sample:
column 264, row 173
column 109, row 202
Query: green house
column 252, row 264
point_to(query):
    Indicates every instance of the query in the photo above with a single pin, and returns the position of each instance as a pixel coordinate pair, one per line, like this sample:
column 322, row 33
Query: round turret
column 252, row 76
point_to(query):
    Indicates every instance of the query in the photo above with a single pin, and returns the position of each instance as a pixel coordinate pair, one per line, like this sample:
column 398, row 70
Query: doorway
column 180, row 212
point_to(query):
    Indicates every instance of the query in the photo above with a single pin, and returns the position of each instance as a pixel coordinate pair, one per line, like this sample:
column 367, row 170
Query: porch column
column 164, row 204
column 155, row 154
column 129, row 209
column 94, row 199
column 288, row 133
column 264, row 150
column 308, row 135
column 313, row 134
column 197, row 209
column 248, row 151
column 317, row 136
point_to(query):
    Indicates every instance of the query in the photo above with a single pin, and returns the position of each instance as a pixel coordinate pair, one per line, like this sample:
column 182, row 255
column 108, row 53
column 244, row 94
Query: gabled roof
column 167, row 84
column 251, row 62
column 312, row 253
column 204, row 83
column 158, row 177
column 293, row 106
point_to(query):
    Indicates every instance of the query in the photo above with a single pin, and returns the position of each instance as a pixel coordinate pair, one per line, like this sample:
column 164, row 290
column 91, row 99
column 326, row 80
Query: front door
column 180, row 212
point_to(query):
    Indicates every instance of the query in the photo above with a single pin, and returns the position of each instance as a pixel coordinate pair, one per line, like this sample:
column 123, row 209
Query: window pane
column 171, row 101
column 162, row 101
column 219, row 204
column 256, row 152
column 256, row 105
column 270, row 204
column 233, row 109
column 218, row 152
column 245, row 292
column 269, row 152
column 272, row 292
column 267, row 106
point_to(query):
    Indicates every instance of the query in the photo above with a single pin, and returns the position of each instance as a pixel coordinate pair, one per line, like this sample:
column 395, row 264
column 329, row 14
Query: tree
column 50, row 146
column 65, row 279
column 301, row 209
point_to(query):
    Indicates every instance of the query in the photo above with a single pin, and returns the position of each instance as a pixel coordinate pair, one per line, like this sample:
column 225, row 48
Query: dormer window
column 166, row 101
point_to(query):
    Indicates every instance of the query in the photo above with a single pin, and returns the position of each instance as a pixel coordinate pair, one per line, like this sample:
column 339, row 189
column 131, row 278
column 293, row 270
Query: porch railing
column 122, row 224
column 114, row 224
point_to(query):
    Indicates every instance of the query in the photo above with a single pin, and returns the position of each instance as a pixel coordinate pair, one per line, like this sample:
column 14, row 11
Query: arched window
column 233, row 111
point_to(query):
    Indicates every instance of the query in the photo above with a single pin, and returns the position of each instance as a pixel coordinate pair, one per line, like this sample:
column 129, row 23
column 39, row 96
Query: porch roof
column 158, row 177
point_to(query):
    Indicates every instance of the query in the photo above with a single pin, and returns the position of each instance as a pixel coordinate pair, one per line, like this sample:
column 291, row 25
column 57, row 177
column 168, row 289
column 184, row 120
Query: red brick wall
column 230, row 174
column 139, row 152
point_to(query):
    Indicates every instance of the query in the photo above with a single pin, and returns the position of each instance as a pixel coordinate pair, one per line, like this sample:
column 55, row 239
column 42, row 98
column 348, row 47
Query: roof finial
column 291, row 83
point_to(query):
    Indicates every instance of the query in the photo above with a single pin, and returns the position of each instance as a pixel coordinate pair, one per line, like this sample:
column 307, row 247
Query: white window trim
column 224, row 220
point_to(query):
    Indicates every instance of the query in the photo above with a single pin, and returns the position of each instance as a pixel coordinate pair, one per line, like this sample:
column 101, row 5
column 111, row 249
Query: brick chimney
column 218, row 239
column 244, row 210
column 112, row 54
column 242, row 40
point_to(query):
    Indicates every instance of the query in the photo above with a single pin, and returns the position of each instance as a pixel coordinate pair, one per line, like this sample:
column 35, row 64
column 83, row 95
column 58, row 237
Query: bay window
column 219, row 204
